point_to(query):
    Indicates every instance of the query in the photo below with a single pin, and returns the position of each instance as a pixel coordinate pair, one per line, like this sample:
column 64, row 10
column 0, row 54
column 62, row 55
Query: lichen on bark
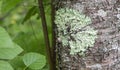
column 73, row 30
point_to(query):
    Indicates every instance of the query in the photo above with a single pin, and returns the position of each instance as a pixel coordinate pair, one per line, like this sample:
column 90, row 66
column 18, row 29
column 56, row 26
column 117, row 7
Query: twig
column 53, row 33
column 45, row 31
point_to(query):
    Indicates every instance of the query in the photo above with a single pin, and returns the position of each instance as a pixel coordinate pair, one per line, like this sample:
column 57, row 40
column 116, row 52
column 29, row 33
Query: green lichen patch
column 73, row 30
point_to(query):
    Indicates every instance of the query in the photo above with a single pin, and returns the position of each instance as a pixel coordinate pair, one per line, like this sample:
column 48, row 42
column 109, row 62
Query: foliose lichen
column 74, row 30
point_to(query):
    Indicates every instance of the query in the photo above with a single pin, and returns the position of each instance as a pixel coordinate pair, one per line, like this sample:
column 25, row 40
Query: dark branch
column 53, row 33
column 45, row 31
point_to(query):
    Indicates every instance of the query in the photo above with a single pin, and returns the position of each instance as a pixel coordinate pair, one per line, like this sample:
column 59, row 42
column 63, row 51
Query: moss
column 73, row 30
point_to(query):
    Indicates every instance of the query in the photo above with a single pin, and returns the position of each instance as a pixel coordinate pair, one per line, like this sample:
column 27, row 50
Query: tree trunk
column 105, row 54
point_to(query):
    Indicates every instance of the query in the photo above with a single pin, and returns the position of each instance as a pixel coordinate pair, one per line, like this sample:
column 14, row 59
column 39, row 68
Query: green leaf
column 10, row 53
column 5, row 66
column 5, row 40
column 32, row 44
column 17, row 63
column 46, row 67
column 8, row 49
column 32, row 11
column 34, row 60
column 8, row 5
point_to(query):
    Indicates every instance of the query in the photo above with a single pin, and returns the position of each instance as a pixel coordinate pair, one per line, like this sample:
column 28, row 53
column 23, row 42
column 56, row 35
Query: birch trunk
column 105, row 55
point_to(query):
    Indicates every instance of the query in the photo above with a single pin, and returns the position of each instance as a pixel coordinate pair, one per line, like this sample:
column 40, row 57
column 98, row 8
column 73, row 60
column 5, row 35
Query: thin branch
column 45, row 31
column 53, row 33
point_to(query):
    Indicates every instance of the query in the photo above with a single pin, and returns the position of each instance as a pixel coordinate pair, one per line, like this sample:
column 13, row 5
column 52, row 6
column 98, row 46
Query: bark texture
column 105, row 55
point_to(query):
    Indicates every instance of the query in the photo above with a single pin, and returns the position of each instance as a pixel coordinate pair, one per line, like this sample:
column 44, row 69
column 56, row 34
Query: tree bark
column 105, row 55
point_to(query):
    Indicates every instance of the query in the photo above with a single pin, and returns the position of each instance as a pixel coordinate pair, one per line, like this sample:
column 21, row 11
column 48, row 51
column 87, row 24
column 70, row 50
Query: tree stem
column 45, row 31
column 53, row 33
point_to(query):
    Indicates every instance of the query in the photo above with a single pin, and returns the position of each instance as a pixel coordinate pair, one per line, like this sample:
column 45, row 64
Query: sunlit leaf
column 5, row 40
column 34, row 60
column 5, row 66
column 10, row 53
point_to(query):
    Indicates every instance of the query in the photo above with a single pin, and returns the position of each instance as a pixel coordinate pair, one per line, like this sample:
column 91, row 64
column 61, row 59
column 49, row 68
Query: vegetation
column 22, row 43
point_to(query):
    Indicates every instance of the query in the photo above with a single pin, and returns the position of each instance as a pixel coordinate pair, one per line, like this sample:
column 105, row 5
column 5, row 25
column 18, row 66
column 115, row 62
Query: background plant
column 20, row 21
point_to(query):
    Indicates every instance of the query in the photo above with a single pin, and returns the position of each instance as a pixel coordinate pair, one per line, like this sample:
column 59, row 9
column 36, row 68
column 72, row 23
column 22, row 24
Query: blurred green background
column 22, row 21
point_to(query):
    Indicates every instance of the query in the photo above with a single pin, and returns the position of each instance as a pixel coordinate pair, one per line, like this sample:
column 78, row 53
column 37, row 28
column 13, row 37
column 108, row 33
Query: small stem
column 45, row 31
column 53, row 33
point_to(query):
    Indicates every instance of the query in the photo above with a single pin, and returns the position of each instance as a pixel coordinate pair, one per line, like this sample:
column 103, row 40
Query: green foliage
column 1, row 6
column 10, row 53
column 29, row 43
column 45, row 68
column 73, row 30
column 32, row 11
column 6, row 44
column 17, row 63
column 34, row 60
column 5, row 66
column 27, row 36
column 5, row 40
column 31, row 60
column 8, row 5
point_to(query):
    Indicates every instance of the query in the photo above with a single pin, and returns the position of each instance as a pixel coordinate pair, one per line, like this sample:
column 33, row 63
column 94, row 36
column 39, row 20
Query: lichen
column 74, row 30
